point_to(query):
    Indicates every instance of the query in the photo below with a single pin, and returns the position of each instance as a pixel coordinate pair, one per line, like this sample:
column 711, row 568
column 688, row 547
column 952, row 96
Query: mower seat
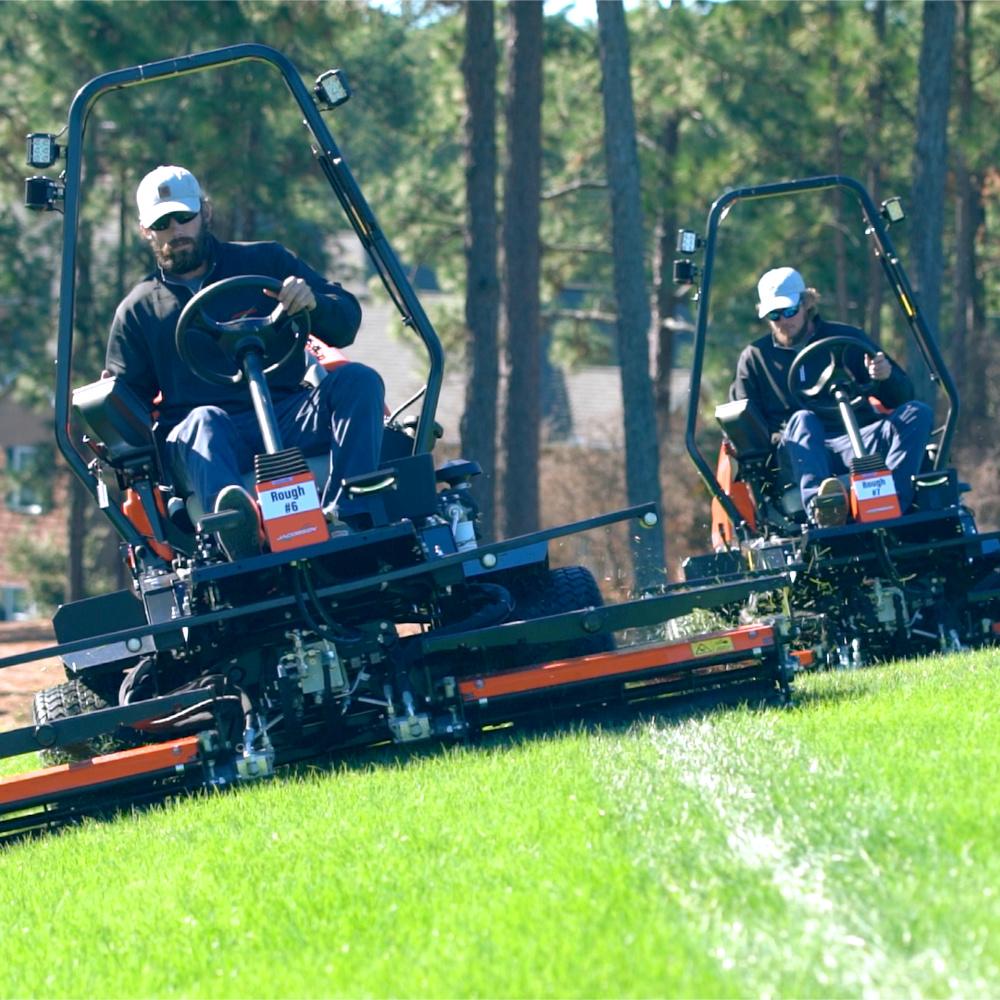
column 121, row 432
column 761, row 463
column 745, row 429
column 121, row 424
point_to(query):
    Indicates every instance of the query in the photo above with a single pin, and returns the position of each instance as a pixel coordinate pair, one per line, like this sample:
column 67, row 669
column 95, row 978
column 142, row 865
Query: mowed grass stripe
column 847, row 847
column 472, row 873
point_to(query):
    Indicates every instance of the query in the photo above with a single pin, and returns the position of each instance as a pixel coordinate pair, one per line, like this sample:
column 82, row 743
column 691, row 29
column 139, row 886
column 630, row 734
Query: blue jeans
column 211, row 449
column 900, row 438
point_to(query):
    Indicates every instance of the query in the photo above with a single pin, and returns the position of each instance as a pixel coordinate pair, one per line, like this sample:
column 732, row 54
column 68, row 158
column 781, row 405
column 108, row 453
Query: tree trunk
column 664, row 293
column 482, row 294
column 970, row 353
column 641, row 446
column 873, row 171
column 929, row 171
column 840, row 224
column 522, row 265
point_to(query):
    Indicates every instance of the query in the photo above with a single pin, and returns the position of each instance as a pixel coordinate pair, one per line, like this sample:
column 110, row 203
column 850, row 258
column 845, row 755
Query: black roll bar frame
column 885, row 252
column 337, row 173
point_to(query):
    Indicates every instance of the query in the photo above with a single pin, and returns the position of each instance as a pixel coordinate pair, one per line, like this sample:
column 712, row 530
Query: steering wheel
column 275, row 337
column 819, row 396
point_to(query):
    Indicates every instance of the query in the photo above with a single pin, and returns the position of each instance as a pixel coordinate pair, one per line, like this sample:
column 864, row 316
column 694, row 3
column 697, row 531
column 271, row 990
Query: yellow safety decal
column 703, row 647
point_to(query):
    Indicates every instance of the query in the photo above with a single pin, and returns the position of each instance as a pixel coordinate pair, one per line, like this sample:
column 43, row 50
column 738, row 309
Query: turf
column 844, row 847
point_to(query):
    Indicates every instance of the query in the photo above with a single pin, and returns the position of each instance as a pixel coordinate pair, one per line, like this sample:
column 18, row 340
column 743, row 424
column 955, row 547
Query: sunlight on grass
column 843, row 847
column 852, row 840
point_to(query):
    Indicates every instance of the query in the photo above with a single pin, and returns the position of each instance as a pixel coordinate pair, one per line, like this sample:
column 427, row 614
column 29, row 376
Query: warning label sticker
column 720, row 644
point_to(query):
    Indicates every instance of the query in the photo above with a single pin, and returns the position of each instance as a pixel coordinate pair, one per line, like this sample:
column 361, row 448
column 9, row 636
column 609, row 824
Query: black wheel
column 554, row 592
column 66, row 701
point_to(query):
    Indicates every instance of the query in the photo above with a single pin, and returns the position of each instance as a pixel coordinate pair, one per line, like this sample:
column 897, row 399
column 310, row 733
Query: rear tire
column 67, row 701
column 554, row 592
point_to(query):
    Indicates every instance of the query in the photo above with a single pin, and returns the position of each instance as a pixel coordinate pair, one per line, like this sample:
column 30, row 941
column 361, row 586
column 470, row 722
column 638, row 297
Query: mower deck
column 747, row 662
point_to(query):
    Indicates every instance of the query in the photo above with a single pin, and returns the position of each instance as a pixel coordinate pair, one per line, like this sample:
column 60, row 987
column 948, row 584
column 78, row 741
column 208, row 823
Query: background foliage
column 725, row 94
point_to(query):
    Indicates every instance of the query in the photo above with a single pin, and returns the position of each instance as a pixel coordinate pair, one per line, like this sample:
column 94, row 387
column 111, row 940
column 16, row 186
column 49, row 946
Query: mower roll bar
column 887, row 257
column 337, row 173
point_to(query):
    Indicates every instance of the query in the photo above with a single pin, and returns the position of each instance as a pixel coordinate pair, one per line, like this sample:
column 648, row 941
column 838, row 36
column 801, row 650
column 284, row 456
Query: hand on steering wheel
column 819, row 397
column 275, row 337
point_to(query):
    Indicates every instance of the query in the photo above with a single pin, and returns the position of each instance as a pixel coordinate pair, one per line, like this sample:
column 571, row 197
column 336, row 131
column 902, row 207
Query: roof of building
column 582, row 406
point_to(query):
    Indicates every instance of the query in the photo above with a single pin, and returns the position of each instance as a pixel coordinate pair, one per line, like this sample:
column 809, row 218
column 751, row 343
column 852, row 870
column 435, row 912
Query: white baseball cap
column 778, row 289
column 165, row 190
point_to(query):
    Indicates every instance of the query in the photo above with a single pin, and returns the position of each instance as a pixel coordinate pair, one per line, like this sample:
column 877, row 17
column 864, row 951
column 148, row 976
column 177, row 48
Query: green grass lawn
column 845, row 847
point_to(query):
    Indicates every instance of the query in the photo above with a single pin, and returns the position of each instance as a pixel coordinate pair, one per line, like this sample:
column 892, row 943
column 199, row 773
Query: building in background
column 27, row 499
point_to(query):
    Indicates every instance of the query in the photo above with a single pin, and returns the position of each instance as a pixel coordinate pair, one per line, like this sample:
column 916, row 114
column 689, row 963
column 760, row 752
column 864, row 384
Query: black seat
column 761, row 464
column 120, row 422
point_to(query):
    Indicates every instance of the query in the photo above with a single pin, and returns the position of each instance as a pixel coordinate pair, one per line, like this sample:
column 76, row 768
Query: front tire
column 67, row 701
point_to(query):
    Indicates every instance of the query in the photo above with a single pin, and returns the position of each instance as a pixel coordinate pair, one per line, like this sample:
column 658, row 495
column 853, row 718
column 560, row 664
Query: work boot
column 830, row 505
column 242, row 539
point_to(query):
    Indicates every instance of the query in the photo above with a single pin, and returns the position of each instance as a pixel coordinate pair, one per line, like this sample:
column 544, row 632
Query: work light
column 42, row 149
column 332, row 88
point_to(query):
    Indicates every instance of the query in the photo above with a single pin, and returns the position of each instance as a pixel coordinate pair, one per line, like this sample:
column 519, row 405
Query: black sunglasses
column 787, row 313
column 163, row 222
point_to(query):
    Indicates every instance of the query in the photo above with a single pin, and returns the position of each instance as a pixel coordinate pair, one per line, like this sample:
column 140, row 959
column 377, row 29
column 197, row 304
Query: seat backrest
column 777, row 495
column 744, row 427
column 118, row 419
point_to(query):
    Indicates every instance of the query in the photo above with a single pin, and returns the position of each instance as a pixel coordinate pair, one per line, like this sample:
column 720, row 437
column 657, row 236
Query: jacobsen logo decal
column 704, row 647
column 297, row 534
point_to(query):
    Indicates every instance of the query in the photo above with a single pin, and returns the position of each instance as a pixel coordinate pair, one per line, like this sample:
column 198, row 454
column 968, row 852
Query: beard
column 183, row 255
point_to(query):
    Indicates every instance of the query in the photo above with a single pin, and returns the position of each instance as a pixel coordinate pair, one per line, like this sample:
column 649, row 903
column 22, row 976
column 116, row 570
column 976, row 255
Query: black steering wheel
column 275, row 337
column 819, row 396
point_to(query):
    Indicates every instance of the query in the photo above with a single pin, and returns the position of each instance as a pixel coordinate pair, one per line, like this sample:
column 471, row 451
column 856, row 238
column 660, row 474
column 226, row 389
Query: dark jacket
column 141, row 346
column 762, row 377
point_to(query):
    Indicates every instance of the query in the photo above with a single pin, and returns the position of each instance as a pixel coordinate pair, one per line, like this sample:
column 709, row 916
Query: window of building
column 27, row 484
column 15, row 605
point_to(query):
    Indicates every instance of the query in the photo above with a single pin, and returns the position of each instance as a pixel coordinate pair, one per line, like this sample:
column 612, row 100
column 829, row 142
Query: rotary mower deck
column 205, row 672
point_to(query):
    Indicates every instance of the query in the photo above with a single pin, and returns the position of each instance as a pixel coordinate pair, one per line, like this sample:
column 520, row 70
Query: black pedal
column 220, row 521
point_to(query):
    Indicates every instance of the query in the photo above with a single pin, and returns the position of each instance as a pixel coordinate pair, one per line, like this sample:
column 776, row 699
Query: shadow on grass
column 610, row 717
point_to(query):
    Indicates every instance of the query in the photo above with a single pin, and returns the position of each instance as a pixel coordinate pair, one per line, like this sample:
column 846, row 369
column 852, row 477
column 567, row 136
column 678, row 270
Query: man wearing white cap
column 815, row 446
column 211, row 431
